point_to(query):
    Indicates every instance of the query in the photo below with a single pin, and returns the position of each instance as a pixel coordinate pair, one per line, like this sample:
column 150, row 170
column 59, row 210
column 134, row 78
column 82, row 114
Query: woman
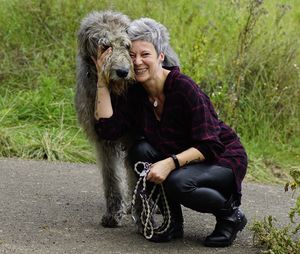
column 198, row 158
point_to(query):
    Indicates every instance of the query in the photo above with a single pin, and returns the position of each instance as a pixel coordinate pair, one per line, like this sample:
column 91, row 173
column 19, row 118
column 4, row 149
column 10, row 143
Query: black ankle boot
column 226, row 229
column 175, row 229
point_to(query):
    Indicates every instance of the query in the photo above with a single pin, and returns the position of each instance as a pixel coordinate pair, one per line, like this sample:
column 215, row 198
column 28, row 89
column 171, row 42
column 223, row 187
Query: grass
column 36, row 125
column 244, row 54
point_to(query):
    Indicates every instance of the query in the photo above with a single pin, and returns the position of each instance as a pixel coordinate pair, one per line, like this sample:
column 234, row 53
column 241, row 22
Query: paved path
column 56, row 208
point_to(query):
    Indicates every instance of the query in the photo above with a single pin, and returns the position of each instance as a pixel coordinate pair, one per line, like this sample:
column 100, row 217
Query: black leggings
column 201, row 187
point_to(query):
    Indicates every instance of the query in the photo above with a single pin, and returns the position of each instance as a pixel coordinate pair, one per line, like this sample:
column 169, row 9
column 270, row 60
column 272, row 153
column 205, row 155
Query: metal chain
column 148, row 204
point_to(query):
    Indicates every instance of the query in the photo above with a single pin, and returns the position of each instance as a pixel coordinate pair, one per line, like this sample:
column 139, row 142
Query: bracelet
column 176, row 162
column 100, row 86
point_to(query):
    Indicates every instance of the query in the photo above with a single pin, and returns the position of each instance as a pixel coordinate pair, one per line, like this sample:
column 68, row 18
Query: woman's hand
column 100, row 61
column 160, row 170
column 103, row 107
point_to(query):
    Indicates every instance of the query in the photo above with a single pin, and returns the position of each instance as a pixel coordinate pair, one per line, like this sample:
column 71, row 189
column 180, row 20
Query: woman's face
column 146, row 62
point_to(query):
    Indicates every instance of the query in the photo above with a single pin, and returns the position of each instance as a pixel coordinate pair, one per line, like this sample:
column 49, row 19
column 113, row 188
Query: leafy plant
column 284, row 240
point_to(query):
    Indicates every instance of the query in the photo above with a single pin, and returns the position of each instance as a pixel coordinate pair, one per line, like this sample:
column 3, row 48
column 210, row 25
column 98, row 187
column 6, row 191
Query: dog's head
column 104, row 30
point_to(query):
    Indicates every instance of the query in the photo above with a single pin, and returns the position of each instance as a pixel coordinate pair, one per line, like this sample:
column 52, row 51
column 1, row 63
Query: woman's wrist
column 101, row 84
column 175, row 161
column 103, row 107
column 170, row 164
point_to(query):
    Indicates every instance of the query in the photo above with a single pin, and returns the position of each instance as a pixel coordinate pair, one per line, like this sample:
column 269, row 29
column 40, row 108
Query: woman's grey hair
column 149, row 30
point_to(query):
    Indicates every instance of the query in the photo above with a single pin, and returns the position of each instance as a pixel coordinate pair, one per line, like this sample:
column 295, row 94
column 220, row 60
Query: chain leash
column 148, row 204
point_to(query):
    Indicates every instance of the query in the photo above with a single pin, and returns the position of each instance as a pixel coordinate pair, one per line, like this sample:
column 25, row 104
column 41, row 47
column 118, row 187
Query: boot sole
column 226, row 244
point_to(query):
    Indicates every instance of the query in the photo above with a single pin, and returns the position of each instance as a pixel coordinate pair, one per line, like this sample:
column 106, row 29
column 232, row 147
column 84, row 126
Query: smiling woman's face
column 145, row 60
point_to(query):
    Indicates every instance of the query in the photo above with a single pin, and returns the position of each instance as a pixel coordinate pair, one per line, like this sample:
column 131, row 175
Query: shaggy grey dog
column 104, row 29
column 107, row 29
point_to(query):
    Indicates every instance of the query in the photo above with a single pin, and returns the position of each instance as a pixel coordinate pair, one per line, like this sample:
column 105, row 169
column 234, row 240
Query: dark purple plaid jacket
column 188, row 120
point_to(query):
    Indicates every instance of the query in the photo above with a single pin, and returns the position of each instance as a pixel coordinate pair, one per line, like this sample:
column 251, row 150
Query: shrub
column 283, row 240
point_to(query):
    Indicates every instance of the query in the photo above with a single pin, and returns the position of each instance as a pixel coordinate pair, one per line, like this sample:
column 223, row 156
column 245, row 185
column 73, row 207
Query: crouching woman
column 198, row 158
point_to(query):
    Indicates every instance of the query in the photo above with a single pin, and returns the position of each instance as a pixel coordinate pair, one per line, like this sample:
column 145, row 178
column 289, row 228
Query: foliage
column 243, row 53
column 283, row 240
column 276, row 240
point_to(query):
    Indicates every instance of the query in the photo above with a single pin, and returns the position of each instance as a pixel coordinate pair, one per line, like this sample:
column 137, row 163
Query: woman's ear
column 161, row 57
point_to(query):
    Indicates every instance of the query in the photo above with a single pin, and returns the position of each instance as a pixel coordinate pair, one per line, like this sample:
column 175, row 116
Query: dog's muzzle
column 122, row 73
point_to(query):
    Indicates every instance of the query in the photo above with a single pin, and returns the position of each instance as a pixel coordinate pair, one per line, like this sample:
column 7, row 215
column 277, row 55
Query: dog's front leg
column 108, row 159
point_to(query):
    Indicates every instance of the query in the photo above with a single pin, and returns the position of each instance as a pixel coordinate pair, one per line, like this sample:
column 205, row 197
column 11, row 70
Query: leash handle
column 142, row 169
column 140, row 191
column 145, row 168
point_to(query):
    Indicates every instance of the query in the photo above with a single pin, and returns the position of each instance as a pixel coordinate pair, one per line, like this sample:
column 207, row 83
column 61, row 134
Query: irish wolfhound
column 107, row 29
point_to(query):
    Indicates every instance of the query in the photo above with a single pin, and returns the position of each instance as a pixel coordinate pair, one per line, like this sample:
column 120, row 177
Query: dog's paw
column 110, row 221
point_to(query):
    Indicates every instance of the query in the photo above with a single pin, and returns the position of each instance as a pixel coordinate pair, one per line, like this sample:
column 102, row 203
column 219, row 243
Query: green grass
column 245, row 56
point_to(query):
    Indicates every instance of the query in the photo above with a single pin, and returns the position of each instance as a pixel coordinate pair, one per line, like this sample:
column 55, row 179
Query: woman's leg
column 209, row 188
column 201, row 187
column 204, row 188
column 144, row 152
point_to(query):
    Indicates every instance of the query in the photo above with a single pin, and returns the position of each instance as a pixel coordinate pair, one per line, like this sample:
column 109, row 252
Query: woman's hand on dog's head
column 101, row 58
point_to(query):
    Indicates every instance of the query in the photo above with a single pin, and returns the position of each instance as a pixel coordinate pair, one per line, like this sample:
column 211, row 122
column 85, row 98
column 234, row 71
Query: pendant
column 155, row 104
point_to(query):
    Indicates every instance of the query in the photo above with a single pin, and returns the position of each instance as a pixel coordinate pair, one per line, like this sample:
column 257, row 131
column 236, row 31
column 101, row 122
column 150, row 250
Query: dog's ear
column 87, row 42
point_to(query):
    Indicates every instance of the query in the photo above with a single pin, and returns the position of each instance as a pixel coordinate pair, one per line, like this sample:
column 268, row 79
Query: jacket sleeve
column 114, row 127
column 205, row 125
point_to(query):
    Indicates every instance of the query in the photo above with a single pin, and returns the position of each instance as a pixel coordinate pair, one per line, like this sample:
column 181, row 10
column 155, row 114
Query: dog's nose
column 122, row 73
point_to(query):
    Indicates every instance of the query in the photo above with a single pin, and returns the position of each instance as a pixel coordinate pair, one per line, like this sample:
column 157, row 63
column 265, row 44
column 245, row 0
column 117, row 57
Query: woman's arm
column 161, row 169
column 109, row 113
column 103, row 106
column 190, row 155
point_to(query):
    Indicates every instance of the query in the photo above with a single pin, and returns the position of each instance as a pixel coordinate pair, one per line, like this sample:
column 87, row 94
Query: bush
column 281, row 240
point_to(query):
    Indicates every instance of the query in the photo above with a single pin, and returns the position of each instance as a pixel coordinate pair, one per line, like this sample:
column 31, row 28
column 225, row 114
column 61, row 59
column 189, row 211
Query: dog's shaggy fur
column 107, row 29
column 104, row 29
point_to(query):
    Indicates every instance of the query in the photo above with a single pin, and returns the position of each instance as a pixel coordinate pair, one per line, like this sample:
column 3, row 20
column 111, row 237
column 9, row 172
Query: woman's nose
column 137, row 60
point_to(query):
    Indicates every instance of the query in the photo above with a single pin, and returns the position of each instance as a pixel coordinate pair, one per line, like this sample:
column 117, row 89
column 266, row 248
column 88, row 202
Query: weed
column 281, row 240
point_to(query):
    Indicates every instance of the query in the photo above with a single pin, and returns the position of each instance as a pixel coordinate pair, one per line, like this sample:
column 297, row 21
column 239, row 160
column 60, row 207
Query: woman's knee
column 204, row 200
column 193, row 185
column 142, row 151
column 176, row 184
column 188, row 178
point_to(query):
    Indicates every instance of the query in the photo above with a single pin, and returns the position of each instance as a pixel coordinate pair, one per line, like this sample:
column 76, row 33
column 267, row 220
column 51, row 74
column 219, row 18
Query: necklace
column 154, row 102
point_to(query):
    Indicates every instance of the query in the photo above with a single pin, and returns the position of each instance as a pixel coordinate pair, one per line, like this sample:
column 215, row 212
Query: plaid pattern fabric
column 188, row 120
